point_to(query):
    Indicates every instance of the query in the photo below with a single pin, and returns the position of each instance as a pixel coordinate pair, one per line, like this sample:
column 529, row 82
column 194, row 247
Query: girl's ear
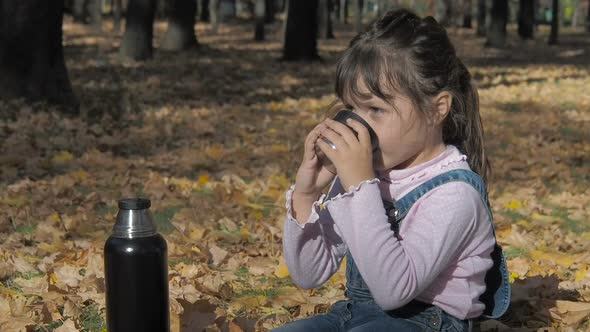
column 442, row 104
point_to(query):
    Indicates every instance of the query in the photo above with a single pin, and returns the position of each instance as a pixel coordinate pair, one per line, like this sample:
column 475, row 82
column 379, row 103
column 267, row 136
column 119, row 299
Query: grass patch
column 30, row 275
column 513, row 215
column 570, row 224
column 510, row 253
column 163, row 218
column 242, row 272
column 177, row 260
column 278, row 282
column 512, row 107
column 91, row 320
column 102, row 209
column 269, row 293
column 49, row 327
column 570, row 133
column 26, row 229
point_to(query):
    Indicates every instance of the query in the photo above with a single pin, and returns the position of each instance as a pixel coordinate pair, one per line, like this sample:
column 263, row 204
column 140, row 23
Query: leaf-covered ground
column 213, row 137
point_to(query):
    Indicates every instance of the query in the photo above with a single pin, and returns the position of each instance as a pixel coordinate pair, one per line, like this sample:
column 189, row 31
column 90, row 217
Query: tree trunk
column 270, row 8
column 358, row 15
column 325, row 19
column 446, row 18
column 481, row 17
column 204, row 10
column 467, row 14
column 259, row 13
column 79, row 11
column 554, row 24
column 95, row 12
column 301, row 31
column 117, row 8
column 31, row 53
column 214, row 15
column 344, row 11
column 497, row 31
column 181, row 25
column 526, row 19
column 139, row 29
column 227, row 9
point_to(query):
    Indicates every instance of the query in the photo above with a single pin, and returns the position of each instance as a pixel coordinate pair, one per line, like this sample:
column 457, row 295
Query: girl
column 413, row 219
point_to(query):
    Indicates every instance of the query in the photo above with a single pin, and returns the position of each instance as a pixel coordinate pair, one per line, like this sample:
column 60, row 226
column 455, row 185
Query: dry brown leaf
column 67, row 326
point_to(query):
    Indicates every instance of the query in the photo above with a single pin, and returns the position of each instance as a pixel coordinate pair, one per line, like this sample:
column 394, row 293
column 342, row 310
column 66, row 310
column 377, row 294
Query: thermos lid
column 134, row 204
column 134, row 219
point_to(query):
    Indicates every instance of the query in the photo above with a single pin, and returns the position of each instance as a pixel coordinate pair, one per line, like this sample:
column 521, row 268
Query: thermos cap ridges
column 134, row 204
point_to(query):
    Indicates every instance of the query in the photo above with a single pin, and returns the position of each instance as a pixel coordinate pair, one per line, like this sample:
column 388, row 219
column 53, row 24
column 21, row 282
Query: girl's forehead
column 358, row 92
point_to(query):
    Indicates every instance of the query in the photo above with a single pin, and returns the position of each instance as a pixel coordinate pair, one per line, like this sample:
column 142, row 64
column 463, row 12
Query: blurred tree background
column 202, row 106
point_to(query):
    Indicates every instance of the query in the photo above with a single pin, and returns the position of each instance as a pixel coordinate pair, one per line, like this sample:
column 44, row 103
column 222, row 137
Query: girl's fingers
column 309, row 147
column 327, row 147
column 342, row 130
column 363, row 134
column 335, row 138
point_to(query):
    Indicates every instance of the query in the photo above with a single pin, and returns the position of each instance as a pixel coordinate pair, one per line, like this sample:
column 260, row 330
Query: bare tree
column 325, row 19
column 481, row 17
column 554, row 24
column 181, row 25
column 301, row 31
column 467, row 6
column 499, row 18
column 139, row 29
column 526, row 19
column 358, row 15
column 31, row 52
column 259, row 13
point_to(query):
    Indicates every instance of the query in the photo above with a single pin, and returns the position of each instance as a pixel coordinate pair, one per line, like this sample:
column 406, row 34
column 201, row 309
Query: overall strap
column 496, row 298
column 399, row 209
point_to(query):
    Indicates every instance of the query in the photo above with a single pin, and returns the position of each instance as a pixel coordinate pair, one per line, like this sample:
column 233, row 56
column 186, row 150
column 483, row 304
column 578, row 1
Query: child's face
column 405, row 138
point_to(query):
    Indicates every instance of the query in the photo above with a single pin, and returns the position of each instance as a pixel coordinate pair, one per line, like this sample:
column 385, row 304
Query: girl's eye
column 376, row 110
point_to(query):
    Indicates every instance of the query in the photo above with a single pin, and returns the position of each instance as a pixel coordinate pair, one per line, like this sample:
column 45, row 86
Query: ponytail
column 463, row 127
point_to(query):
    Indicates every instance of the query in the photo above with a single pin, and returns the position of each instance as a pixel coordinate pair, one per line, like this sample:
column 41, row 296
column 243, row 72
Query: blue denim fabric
column 497, row 295
column 360, row 313
column 367, row 316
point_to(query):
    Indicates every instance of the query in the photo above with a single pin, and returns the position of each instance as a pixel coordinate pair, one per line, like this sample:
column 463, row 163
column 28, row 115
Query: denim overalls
column 360, row 313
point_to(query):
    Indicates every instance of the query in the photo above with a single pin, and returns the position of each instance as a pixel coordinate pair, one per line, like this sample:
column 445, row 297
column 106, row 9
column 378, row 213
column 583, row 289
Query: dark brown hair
column 416, row 58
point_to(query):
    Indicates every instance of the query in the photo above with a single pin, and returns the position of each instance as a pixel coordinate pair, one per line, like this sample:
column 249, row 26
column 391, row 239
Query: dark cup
column 341, row 117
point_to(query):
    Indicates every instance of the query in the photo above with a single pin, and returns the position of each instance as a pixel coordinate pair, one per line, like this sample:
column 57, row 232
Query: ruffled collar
column 449, row 156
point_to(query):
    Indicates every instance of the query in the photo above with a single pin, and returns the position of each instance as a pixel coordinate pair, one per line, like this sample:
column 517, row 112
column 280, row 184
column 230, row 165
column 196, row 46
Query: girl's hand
column 353, row 157
column 312, row 177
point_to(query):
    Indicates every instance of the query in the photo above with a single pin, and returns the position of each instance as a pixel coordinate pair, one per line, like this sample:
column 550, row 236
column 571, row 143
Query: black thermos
column 136, row 272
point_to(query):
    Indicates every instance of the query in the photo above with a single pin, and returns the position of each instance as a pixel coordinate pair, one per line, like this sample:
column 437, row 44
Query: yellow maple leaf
column 281, row 270
column 15, row 202
column 62, row 157
column 279, row 148
column 558, row 258
column 79, row 175
column 203, row 179
column 215, row 152
column 514, row 205
column 581, row 273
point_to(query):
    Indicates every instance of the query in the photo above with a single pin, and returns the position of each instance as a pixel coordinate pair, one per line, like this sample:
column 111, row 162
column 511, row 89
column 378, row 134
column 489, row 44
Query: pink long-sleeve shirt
column 441, row 257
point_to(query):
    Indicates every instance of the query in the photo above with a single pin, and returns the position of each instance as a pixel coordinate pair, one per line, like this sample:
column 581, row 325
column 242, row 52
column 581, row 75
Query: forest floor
column 213, row 136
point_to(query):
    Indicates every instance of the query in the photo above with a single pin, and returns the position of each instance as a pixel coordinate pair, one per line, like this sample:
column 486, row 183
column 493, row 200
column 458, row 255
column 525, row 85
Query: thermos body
column 136, row 274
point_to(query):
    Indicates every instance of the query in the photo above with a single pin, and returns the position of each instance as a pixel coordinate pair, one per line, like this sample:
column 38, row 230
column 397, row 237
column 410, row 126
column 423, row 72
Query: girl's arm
column 313, row 249
column 435, row 233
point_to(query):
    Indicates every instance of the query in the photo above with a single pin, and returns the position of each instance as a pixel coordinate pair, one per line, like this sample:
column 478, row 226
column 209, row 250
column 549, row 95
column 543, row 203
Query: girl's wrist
column 306, row 195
